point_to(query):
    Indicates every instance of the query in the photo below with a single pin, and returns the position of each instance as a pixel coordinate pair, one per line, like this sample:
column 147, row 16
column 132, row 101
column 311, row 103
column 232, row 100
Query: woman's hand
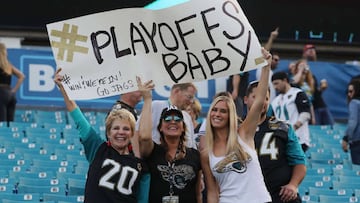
column 145, row 88
column 267, row 56
column 58, row 77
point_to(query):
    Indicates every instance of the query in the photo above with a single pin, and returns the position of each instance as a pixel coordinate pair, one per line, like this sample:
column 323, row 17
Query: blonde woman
column 114, row 174
column 8, row 93
column 230, row 164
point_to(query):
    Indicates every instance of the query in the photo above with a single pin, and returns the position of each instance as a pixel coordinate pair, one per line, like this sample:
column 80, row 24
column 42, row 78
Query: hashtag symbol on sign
column 68, row 38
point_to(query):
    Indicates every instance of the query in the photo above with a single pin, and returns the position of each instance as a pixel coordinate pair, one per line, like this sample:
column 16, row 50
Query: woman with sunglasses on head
column 115, row 174
column 175, row 169
column 229, row 161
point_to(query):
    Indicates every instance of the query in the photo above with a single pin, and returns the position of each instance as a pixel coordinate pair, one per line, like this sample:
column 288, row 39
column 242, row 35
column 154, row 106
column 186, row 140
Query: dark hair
column 251, row 86
column 280, row 76
column 356, row 84
column 182, row 145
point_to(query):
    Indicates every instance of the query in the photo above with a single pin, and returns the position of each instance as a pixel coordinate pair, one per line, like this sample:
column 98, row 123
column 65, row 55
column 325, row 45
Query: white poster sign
column 101, row 54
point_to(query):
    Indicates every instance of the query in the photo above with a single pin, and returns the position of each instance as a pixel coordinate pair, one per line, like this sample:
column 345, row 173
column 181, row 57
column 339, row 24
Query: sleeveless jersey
column 239, row 182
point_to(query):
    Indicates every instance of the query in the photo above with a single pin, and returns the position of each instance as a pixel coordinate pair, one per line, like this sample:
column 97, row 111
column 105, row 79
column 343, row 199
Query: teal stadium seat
column 63, row 198
column 337, row 199
column 28, row 197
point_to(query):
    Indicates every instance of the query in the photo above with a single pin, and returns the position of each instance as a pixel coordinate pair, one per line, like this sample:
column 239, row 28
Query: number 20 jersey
column 113, row 177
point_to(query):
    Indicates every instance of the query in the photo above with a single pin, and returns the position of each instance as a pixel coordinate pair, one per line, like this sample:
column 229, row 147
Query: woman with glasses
column 175, row 169
column 229, row 161
column 115, row 174
column 352, row 133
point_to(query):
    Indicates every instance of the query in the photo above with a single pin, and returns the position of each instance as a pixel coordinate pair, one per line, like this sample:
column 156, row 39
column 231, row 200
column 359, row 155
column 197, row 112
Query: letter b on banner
column 41, row 77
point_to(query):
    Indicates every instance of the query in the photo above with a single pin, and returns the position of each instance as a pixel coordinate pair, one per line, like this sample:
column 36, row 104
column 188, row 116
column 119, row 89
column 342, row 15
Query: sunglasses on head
column 170, row 118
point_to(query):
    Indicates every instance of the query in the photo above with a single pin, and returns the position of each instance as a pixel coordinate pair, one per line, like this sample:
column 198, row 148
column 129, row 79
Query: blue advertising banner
column 39, row 89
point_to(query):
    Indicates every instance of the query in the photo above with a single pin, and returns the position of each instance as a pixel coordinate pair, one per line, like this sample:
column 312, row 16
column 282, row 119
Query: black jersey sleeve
column 302, row 102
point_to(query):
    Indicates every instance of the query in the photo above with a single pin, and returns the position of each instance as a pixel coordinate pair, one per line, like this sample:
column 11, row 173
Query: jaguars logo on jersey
column 231, row 163
column 275, row 124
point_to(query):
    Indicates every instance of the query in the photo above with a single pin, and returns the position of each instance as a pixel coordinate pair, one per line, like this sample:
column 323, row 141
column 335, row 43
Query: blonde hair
column 232, row 145
column 308, row 77
column 4, row 62
column 121, row 114
column 196, row 108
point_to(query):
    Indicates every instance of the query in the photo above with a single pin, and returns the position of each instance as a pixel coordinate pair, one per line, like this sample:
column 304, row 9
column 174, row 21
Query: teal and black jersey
column 278, row 151
column 113, row 177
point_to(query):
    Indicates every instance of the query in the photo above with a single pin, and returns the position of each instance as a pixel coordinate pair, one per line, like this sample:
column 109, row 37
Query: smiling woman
column 175, row 169
column 109, row 161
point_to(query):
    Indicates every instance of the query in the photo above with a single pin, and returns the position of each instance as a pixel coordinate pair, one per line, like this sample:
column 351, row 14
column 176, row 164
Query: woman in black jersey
column 175, row 169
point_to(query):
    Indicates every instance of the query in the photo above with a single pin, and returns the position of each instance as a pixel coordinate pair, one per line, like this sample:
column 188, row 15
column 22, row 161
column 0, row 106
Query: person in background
column 281, row 158
column 323, row 115
column 291, row 70
column 293, row 106
column 115, row 174
column 236, row 86
column 229, row 161
column 194, row 110
column 304, row 80
column 268, row 45
column 129, row 101
column 352, row 133
column 181, row 96
column 175, row 169
column 274, row 63
column 309, row 52
column 8, row 93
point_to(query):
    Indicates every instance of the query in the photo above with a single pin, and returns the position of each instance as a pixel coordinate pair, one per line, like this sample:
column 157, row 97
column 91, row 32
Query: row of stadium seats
column 330, row 176
column 42, row 158
column 49, row 155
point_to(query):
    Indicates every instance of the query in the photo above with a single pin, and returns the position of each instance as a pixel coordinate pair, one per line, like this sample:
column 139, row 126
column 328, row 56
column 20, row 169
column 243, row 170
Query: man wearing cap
column 309, row 52
column 181, row 96
column 291, row 105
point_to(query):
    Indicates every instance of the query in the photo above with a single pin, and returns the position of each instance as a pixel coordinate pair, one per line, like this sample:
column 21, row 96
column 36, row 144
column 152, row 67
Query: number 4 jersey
column 278, row 151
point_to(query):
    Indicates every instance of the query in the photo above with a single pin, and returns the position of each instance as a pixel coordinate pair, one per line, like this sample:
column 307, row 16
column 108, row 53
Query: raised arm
column 70, row 104
column 273, row 36
column 146, row 143
column 248, row 127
